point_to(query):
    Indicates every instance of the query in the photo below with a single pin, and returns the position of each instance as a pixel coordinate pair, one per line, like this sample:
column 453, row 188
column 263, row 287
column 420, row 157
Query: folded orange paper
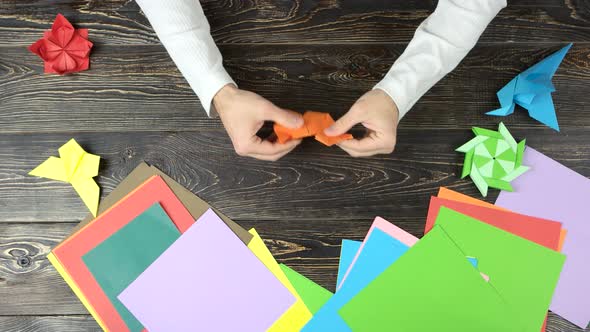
column 314, row 124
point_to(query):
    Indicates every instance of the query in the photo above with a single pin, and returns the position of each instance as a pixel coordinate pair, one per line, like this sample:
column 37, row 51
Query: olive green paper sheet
column 432, row 287
column 313, row 295
column 524, row 273
column 119, row 260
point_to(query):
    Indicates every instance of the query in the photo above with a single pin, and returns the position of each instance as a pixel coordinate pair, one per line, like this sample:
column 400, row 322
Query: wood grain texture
column 49, row 323
column 86, row 323
column 300, row 21
column 134, row 105
column 26, row 276
column 312, row 182
column 139, row 88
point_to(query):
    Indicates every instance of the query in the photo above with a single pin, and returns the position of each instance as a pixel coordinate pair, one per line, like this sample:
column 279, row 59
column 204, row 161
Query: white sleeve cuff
column 393, row 89
column 207, row 86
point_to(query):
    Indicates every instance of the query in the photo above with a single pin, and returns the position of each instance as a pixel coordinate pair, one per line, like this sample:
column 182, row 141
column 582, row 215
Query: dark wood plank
column 312, row 182
column 139, row 88
column 86, row 323
column 301, row 21
column 30, row 286
column 26, row 276
column 134, row 105
column 48, row 323
column 558, row 324
column 269, row 8
column 127, row 88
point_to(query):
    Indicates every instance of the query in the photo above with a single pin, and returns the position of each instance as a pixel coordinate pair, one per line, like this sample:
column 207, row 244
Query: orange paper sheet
column 314, row 125
column 456, row 196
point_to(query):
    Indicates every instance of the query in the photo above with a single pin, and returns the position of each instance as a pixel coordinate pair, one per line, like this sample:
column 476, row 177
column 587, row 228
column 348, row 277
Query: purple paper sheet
column 207, row 280
column 552, row 191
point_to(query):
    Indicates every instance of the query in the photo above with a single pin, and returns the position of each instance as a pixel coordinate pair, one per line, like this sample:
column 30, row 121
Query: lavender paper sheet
column 552, row 191
column 207, row 280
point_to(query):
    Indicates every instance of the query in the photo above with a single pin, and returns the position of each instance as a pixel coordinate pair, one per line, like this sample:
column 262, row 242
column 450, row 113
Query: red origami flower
column 63, row 48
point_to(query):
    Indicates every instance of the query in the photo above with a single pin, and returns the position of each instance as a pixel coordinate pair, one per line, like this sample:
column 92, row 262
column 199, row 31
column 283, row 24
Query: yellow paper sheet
column 298, row 315
column 66, row 276
column 74, row 166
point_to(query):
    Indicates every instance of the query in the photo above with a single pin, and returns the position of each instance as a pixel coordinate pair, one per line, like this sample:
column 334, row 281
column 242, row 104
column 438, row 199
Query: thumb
column 285, row 118
column 344, row 123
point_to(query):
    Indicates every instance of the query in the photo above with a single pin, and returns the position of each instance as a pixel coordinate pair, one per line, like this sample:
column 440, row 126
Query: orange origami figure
column 314, row 124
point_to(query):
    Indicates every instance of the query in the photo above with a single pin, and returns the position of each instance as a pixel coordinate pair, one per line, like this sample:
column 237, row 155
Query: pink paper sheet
column 388, row 228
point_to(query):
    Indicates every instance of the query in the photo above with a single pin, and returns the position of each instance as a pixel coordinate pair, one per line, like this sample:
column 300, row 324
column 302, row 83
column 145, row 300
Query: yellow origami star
column 77, row 167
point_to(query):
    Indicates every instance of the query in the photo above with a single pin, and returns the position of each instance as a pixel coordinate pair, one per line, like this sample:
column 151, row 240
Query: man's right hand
column 243, row 114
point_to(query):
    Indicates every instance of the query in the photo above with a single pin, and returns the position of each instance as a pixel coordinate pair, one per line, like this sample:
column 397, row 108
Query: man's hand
column 377, row 112
column 243, row 113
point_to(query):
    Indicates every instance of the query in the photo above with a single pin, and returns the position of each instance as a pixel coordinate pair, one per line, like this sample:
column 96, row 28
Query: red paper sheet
column 70, row 252
column 541, row 231
column 455, row 196
column 476, row 208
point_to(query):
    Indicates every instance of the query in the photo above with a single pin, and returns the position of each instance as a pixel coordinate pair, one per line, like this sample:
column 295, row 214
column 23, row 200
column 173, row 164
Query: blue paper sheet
column 380, row 251
column 348, row 250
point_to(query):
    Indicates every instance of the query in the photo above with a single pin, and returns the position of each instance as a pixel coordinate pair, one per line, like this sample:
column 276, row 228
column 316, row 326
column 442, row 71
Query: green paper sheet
column 313, row 295
column 121, row 258
column 524, row 273
column 432, row 287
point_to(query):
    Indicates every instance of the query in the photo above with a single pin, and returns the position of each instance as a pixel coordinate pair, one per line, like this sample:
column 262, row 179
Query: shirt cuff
column 214, row 81
column 394, row 90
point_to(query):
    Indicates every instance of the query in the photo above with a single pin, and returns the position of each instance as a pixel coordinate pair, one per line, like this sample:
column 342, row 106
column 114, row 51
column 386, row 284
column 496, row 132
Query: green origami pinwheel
column 493, row 159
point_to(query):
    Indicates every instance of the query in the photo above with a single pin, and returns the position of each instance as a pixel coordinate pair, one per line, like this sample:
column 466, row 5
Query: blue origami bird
column 532, row 90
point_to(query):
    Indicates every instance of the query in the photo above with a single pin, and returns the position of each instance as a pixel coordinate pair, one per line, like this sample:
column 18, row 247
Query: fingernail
column 329, row 131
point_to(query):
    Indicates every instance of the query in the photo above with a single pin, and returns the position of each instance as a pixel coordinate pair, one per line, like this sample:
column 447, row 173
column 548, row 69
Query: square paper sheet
column 553, row 191
column 121, row 258
column 432, row 287
column 208, row 280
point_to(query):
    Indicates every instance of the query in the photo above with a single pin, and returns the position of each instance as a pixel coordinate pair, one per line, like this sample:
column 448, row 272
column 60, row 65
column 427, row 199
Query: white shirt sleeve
column 182, row 27
column 439, row 44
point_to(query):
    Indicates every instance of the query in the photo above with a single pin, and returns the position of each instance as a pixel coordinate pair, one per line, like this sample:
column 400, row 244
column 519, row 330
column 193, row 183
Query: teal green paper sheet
column 121, row 258
column 313, row 295
column 432, row 287
column 524, row 273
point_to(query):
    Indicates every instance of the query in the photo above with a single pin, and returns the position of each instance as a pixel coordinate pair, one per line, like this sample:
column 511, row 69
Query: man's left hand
column 377, row 112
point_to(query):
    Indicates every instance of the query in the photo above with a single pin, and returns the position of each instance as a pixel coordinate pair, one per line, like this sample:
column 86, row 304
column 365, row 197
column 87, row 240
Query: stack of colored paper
column 478, row 268
column 159, row 258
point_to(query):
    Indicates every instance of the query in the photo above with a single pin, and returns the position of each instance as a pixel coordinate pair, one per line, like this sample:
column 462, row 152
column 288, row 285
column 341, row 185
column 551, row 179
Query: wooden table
column 134, row 105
